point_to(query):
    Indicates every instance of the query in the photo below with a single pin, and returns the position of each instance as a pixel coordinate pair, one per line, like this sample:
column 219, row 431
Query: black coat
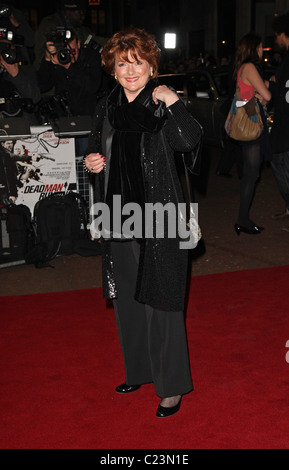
column 162, row 271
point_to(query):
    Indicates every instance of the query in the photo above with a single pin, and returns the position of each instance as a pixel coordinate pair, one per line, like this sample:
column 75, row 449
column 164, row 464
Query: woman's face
column 260, row 50
column 133, row 75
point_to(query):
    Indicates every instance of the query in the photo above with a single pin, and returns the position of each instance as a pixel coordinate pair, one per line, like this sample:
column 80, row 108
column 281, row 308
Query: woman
column 248, row 77
column 137, row 129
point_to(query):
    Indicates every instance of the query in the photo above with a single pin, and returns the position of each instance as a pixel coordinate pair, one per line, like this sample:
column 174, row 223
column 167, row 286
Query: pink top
column 246, row 91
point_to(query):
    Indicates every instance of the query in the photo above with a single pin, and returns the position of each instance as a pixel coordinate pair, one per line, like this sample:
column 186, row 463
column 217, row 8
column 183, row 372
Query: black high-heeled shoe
column 124, row 388
column 166, row 412
column 250, row 231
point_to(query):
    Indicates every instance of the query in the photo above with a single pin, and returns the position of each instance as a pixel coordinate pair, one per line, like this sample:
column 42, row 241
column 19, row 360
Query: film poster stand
column 7, row 256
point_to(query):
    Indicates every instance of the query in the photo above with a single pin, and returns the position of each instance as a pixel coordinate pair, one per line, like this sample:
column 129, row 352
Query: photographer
column 18, row 84
column 70, row 15
column 74, row 72
column 14, row 20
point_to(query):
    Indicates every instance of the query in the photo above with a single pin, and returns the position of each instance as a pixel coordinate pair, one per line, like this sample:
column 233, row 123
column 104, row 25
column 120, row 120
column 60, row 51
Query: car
column 205, row 92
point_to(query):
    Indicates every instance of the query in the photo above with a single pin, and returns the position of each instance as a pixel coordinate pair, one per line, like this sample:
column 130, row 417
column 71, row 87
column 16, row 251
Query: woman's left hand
column 163, row 93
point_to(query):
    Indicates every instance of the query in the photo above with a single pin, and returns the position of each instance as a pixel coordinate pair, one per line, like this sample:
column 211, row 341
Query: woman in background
column 248, row 76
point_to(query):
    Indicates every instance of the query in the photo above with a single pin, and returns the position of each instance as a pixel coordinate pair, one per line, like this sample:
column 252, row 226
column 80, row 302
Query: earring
column 152, row 73
column 115, row 76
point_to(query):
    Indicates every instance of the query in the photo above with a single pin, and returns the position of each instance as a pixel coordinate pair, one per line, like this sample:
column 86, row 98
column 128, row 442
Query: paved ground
column 220, row 250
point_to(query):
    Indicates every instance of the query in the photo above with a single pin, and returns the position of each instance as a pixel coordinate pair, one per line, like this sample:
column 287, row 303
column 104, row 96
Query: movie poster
column 45, row 165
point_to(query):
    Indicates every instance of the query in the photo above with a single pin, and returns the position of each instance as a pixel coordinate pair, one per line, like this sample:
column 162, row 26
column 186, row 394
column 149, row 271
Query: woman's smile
column 133, row 73
column 132, row 80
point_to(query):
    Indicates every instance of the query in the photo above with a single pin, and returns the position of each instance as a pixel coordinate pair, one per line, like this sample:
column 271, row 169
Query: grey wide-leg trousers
column 153, row 342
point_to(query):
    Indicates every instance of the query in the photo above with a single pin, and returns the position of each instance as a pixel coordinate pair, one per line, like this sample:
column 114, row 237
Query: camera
column 5, row 11
column 13, row 105
column 60, row 38
column 90, row 43
column 8, row 53
column 6, row 34
column 53, row 107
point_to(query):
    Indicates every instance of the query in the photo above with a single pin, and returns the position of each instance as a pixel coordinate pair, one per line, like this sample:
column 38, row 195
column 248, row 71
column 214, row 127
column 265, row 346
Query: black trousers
column 153, row 342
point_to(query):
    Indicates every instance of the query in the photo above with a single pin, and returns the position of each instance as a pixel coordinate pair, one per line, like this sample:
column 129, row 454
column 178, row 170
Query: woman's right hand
column 94, row 162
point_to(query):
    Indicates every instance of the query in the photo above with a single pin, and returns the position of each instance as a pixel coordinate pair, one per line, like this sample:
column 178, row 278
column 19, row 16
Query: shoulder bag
column 244, row 122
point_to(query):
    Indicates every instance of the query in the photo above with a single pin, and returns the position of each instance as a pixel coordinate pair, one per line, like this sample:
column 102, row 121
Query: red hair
column 136, row 41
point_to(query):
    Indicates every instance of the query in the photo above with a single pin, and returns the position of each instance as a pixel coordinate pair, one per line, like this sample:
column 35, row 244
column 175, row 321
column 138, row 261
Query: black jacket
column 80, row 83
column 162, row 272
column 280, row 95
column 25, row 84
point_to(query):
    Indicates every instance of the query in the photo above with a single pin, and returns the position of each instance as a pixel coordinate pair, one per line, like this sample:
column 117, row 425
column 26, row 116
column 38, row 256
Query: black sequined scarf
column 130, row 120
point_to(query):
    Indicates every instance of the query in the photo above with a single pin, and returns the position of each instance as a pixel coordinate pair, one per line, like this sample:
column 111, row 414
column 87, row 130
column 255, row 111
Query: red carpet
column 60, row 361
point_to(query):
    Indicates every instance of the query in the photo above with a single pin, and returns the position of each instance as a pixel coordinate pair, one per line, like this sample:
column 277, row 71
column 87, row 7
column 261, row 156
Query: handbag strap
column 237, row 92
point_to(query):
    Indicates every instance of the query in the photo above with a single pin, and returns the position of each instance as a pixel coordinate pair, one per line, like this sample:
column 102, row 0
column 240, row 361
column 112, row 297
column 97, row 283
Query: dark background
column 192, row 20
